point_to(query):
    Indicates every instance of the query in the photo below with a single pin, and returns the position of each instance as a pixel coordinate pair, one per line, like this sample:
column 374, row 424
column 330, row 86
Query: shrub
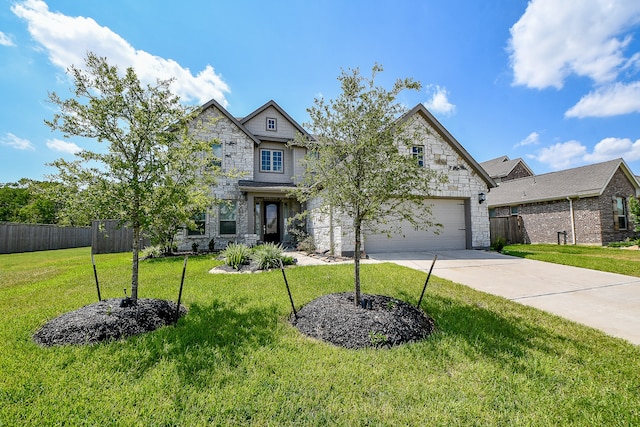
column 287, row 260
column 297, row 230
column 194, row 247
column 307, row 245
column 152, row 251
column 212, row 245
column 627, row 243
column 236, row 254
column 268, row 256
column 498, row 244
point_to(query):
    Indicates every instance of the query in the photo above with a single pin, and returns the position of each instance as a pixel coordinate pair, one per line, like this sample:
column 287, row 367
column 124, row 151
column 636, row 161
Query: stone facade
column 463, row 182
column 242, row 142
column 237, row 154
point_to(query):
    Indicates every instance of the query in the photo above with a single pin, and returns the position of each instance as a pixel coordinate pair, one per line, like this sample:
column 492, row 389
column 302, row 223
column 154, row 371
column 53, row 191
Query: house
column 257, row 204
column 505, row 169
column 587, row 205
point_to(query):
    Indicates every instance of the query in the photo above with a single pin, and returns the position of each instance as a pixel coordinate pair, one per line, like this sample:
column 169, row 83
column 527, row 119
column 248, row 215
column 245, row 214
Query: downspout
column 331, row 241
column 573, row 222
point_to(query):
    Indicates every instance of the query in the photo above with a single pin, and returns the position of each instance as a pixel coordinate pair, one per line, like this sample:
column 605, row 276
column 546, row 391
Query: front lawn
column 613, row 260
column 234, row 359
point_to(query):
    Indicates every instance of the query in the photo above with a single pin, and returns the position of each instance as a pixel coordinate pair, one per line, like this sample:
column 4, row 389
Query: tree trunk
column 356, row 263
column 134, row 263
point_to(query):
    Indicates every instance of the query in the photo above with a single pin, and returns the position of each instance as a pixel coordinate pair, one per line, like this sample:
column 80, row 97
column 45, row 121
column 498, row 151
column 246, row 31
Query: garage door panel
column 448, row 212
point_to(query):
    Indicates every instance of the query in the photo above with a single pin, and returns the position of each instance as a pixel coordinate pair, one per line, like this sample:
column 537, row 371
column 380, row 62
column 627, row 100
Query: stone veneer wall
column 463, row 183
column 237, row 154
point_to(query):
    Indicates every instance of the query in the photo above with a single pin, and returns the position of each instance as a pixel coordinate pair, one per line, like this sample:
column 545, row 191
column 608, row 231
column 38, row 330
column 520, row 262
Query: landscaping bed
column 386, row 322
column 110, row 319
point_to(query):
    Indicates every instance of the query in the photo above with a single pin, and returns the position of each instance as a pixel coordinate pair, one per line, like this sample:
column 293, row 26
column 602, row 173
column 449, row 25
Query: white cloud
column 613, row 148
column 562, row 155
column 5, row 40
column 568, row 154
column 439, row 101
column 63, row 146
column 532, row 139
column 16, row 142
column 610, row 100
column 553, row 40
column 66, row 40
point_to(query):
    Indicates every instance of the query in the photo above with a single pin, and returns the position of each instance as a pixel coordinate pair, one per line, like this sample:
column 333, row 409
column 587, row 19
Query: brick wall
column 619, row 186
column 518, row 172
column 593, row 217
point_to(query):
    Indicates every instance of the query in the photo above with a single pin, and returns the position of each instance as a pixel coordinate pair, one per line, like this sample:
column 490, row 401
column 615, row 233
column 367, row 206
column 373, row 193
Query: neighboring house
column 588, row 203
column 504, row 169
column 257, row 204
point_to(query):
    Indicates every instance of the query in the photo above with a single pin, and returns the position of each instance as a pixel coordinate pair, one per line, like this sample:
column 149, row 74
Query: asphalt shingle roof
column 501, row 166
column 582, row 181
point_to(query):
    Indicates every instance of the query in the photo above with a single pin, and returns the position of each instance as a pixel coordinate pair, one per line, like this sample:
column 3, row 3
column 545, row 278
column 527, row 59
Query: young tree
column 149, row 151
column 361, row 164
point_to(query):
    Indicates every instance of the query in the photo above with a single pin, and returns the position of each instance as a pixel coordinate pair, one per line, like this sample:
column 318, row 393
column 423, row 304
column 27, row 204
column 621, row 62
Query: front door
column 271, row 222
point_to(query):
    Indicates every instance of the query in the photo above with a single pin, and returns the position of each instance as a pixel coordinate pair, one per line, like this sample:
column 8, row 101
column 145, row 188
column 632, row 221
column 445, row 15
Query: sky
column 554, row 83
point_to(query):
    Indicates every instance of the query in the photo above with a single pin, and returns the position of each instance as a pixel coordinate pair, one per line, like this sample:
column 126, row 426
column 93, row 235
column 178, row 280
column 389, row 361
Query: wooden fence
column 15, row 237
column 107, row 237
column 507, row 227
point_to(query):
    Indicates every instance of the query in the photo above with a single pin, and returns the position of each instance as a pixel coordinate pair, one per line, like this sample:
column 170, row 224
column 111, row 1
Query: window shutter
column 616, row 225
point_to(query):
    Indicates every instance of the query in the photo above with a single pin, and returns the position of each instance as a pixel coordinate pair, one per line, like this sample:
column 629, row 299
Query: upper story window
column 217, row 153
column 271, row 160
column 272, row 124
column 620, row 213
column 417, row 151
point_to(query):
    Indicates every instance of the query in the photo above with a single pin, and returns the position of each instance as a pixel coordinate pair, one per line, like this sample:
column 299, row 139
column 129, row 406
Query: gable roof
column 502, row 166
column 279, row 109
column 444, row 133
column 216, row 104
column 584, row 181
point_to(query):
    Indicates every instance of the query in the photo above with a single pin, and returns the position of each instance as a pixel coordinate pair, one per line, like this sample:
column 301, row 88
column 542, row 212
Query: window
column 217, row 154
column 492, row 213
column 272, row 124
column 200, row 221
column 620, row 213
column 418, row 153
column 271, row 160
column 227, row 217
column 514, row 210
column 256, row 217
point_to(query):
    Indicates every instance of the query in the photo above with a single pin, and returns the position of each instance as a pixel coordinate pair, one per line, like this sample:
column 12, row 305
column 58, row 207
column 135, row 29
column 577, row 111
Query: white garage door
column 449, row 213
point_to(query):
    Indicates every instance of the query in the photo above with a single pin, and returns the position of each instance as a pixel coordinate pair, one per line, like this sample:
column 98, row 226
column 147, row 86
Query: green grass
column 235, row 360
column 613, row 260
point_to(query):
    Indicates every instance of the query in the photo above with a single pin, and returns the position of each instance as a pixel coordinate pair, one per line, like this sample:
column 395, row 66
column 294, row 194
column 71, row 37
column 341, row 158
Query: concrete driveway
column 606, row 301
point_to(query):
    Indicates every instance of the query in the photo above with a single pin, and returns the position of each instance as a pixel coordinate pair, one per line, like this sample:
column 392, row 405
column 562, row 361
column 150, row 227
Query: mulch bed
column 336, row 319
column 333, row 318
column 107, row 320
column 252, row 267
